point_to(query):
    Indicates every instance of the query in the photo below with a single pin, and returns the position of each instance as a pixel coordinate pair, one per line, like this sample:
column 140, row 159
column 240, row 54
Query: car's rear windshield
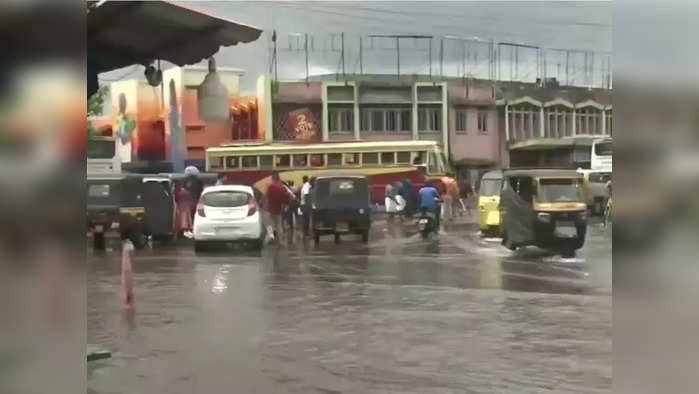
column 226, row 199
column 560, row 190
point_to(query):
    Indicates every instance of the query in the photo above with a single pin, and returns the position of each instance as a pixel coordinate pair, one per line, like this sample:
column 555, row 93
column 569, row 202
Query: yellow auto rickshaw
column 545, row 208
column 489, row 202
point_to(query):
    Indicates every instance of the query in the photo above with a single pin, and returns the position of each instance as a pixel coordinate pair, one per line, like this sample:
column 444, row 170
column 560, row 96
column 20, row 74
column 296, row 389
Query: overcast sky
column 574, row 25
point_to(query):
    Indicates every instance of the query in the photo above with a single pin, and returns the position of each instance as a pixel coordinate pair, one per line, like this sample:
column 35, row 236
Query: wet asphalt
column 453, row 314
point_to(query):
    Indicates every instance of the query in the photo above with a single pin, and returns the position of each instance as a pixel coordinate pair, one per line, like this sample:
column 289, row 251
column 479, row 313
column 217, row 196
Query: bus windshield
column 101, row 149
column 560, row 190
column 603, row 149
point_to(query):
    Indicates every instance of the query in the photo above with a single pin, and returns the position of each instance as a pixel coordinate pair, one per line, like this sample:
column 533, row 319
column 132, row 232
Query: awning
column 123, row 33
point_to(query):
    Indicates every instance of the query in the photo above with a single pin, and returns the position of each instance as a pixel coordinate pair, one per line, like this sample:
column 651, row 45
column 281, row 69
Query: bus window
column 403, row 157
column 370, row 158
column 282, row 161
column 351, row 159
column 300, row 160
column 232, row 162
column 388, row 158
column 249, row 161
column 216, row 163
column 317, row 160
column 334, row 159
column 266, row 161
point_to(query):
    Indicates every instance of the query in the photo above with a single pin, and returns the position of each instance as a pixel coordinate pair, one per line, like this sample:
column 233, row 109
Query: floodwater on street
column 452, row 314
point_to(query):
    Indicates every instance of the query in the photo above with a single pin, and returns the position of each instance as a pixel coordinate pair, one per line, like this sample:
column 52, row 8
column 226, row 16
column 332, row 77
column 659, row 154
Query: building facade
column 551, row 126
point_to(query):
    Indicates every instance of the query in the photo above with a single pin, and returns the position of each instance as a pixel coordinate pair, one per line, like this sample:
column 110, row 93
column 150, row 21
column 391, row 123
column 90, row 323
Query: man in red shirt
column 277, row 198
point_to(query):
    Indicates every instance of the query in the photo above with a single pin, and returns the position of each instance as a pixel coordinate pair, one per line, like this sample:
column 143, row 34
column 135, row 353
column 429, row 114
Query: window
column 334, row 159
column 482, row 122
column 215, row 162
column 432, row 166
column 377, row 120
column 608, row 120
column 560, row 190
column 232, row 162
column 300, row 160
column 403, row 157
column 100, row 149
column 340, row 120
column 588, row 120
column 317, row 160
column 390, row 120
column 249, row 161
column 523, row 121
column 388, row 158
column 558, row 122
column 370, row 158
column 351, row 159
column 460, row 121
column 429, row 119
column 266, row 161
column 282, row 161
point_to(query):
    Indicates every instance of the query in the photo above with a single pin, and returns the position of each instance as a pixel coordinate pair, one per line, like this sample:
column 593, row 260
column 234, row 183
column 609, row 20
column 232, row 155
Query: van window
column 249, row 161
column 388, row 158
column 232, row 162
column 282, row 161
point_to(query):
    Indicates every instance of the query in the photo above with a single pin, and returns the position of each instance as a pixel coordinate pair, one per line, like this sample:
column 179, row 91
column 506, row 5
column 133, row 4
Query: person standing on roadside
column 466, row 192
column 305, row 204
column 277, row 199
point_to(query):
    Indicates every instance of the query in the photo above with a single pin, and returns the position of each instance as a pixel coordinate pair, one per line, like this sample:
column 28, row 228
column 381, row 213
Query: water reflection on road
column 451, row 314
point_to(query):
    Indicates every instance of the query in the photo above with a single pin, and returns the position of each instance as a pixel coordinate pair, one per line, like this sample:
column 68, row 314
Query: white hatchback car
column 228, row 213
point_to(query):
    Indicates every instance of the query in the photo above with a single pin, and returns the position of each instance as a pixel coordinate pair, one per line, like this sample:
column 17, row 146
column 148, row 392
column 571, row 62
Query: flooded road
column 452, row 314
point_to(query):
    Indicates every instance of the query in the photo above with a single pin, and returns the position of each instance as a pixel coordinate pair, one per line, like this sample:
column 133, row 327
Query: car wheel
column 200, row 246
column 98, row 241
column 365, row 236
column 258, row 244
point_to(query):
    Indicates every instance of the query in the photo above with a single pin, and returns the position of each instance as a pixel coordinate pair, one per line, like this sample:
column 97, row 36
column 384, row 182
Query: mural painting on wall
column 301, row 125
column 124, row 126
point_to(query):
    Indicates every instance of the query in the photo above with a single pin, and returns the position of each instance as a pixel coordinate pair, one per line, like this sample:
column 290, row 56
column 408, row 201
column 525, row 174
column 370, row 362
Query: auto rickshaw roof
column 497, row 174
column 543, row 173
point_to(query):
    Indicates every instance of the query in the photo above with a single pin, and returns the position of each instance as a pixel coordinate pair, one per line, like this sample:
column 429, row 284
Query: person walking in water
column 277, row 199
column 127, row 247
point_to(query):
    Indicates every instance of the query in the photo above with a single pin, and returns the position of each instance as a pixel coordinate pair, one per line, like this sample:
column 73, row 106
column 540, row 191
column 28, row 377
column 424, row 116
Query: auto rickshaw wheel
column 316, row 239
column 200, row 246
column 337, row 238
column 365, row 236
column 98, row 241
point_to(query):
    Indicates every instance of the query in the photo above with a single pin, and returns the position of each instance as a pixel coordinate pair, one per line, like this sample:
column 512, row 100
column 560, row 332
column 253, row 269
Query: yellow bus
column 382, row 162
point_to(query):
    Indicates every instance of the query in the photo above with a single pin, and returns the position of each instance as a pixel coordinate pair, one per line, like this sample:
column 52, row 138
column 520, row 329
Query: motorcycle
column 426, row 224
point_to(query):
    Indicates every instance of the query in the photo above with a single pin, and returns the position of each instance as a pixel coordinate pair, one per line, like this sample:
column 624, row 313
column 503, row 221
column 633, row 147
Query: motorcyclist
column 429, row 202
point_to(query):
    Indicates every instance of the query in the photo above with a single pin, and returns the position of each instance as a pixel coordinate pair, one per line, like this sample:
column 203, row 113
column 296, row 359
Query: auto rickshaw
column 489, row 202
column 341, row 204
column 545, row 208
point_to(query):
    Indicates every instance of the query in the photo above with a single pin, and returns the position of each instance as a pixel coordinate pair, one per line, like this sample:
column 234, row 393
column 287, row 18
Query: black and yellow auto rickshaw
column 341, row 205
column 545, row 208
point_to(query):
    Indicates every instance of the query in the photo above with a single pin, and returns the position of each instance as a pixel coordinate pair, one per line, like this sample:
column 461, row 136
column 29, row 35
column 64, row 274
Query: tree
column 94, row 108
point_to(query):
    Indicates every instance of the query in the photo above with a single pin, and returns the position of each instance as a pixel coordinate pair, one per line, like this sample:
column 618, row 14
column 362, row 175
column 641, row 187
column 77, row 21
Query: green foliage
column 95, row 102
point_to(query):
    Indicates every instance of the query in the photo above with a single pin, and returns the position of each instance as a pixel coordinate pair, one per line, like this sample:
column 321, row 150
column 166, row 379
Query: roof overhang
column 120, row 34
